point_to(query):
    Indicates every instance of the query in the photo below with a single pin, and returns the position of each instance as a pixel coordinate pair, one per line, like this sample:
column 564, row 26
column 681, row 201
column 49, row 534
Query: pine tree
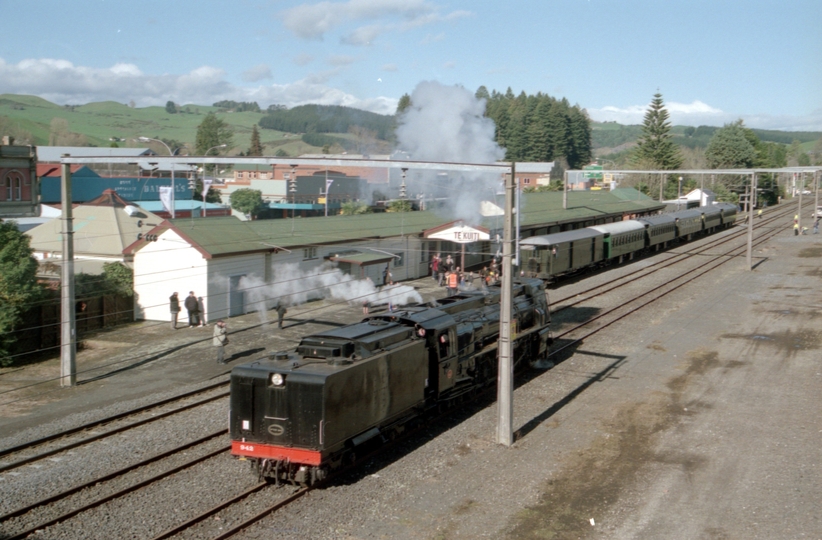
column 256, row 148
column 404, row 103
column 655, row 147
column 730, row 148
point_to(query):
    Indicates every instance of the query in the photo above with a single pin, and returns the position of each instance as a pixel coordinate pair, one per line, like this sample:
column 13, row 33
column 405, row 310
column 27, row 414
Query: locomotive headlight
column 277, row 379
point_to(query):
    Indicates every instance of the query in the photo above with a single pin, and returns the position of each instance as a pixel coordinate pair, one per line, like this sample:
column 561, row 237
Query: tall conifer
column 655, row 147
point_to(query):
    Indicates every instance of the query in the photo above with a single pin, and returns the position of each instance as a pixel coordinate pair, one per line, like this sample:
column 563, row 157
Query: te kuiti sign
column 460, row 234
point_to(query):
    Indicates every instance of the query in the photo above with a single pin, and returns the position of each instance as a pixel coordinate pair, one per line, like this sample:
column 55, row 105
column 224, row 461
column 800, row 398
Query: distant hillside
column 616, row 137
column 98, row 124
column 328, row 119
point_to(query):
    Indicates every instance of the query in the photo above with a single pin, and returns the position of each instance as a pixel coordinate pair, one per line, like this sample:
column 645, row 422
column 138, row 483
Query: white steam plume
column 292, row 287
column 446, row 123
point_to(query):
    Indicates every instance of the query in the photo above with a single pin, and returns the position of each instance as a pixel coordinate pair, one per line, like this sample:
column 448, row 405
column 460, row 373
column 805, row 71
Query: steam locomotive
column 298, row 415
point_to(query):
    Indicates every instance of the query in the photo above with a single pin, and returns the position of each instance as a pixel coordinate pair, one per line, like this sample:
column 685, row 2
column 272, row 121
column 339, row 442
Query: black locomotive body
column 300, row 414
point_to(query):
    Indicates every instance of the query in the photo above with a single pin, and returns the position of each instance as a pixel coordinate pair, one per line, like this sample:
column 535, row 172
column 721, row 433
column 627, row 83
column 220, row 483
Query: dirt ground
column 700, row 419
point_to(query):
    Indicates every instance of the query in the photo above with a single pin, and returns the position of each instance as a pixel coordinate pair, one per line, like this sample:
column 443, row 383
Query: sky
column 713, row 61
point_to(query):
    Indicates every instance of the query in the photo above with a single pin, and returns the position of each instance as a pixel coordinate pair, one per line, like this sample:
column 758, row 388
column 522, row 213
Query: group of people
column 446, row 273
column 193, row 306
column 805, row 229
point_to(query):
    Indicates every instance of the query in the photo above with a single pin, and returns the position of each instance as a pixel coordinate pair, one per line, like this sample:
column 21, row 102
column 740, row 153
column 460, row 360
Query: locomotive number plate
column 247, row 447
column 276, row 430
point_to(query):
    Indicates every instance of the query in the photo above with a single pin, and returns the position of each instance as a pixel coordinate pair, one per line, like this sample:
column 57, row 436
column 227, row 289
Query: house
column 102, row 229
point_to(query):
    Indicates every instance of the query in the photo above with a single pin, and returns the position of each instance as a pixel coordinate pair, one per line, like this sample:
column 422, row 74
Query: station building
column 211, row 256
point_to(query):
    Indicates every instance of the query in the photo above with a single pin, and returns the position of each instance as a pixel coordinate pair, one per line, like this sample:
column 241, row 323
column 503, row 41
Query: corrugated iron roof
column 220, row 236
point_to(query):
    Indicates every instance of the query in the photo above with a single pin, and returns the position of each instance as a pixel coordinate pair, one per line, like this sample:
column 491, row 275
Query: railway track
column 58, row 442
column 27, row 514
column 200, row 526
column 710, row 243
column 644, row 299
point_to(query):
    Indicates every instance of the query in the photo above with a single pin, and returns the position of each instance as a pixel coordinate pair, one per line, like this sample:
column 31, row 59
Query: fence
column 41, row 335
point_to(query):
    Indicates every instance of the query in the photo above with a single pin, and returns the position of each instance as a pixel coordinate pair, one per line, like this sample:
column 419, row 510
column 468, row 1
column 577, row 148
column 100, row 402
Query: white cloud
column 698, row 113
column 314, row 21
column 62, row 82
column 303, row 59
column 257, row 73
column 449, row 65
column 390, row 67
column 340, row 60
column 431, row 38
column 364, row 35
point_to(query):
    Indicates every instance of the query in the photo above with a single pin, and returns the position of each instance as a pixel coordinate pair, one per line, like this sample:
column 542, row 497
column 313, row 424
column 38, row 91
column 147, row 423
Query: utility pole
column 68, row 337
column 505, row 376
column 751, row 204
column 799, row 209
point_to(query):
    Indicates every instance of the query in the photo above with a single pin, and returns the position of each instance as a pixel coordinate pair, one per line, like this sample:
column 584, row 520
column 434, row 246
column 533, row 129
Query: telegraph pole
column 751, row 204
column 505, row 377
column 68, row 337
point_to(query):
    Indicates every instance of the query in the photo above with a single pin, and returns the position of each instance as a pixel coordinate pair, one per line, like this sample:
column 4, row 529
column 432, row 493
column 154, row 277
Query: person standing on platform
column 816, row 226
column 435, row 267
column 193, row 308
column 220, row 340
column 174, row 307
column 453, row 283
column 281, row 311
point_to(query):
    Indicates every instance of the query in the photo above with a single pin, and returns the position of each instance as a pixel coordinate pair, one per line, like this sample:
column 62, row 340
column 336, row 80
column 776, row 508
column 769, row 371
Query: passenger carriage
column 659, row 230
column 560, row 253
column 622, row 238
column 712, row 218
column 688, row 223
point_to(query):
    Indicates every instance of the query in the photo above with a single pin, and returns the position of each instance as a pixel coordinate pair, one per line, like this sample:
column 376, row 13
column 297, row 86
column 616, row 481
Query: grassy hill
column 610, row 136
column 102, row 121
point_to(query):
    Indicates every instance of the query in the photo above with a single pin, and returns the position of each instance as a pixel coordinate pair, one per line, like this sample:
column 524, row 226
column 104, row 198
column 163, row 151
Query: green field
column 100, row 122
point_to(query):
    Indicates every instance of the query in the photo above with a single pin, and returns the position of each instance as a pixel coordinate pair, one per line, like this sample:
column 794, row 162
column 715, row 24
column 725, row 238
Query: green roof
column 227, row 235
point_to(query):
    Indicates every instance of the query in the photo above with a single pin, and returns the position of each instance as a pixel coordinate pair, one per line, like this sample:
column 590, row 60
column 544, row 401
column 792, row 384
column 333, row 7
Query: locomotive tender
column 300, row 414
column 565, row 252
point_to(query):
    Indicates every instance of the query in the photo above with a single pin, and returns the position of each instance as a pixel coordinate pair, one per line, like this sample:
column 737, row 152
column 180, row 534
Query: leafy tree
column 19, row 288
column 256, row 148
column 119, row 278
column 351, row 208
column 213, row 196
column 655, row 146
column 401, row 205
column 723, row 194
column 171, row 108
column 281, row 153
column 212, row 132
column 238, row 106
column 13, row 129
column 729, row 148
column 403, row 103
column 247, row 201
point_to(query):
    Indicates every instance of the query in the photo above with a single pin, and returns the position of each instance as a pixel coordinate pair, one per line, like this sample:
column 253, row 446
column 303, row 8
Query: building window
column 309, row 253
column 399, row 260
column 14, row 186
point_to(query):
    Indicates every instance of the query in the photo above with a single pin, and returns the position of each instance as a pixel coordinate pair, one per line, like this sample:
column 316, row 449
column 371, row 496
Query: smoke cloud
column 290, row 286
column 446, row 123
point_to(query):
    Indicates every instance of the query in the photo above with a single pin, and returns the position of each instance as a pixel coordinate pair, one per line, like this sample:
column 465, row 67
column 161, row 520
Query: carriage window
column 443, row 343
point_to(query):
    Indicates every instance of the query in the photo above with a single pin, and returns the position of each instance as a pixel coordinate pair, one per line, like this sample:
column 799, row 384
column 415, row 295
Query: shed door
column 236, row 296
